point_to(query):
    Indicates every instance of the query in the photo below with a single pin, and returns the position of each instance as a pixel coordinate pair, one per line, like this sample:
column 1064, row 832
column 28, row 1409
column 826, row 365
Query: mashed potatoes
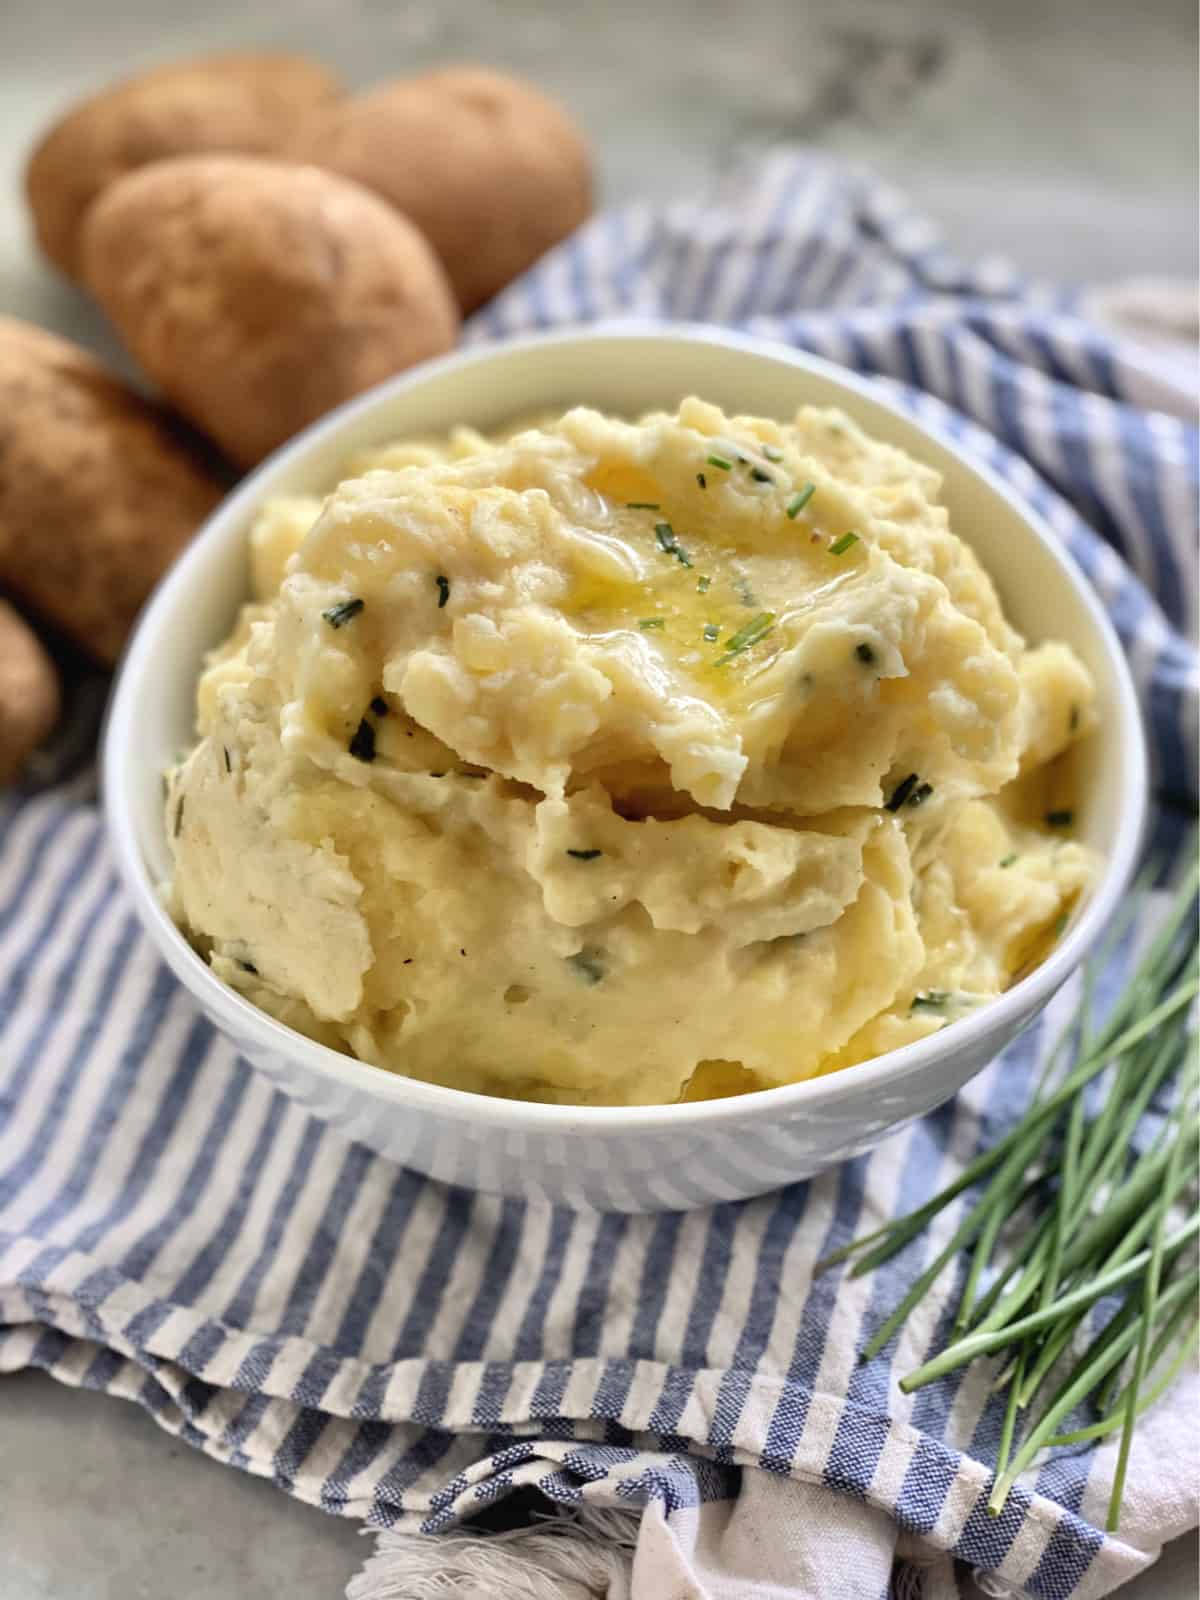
column 618, row 762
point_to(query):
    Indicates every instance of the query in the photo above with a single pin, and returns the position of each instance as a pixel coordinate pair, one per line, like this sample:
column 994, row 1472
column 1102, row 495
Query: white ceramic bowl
column 649, row 1157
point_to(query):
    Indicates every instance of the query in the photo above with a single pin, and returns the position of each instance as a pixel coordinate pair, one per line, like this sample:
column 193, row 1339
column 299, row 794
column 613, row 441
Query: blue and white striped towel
column 174, row 1230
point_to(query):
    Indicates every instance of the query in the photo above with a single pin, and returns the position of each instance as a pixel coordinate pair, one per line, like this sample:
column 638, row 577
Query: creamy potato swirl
column 615, row 762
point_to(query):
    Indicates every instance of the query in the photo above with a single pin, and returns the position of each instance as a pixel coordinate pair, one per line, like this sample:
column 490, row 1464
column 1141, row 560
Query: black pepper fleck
column 864, row 653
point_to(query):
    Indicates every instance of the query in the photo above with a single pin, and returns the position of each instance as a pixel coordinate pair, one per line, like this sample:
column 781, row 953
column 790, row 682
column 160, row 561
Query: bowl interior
column 626, row 371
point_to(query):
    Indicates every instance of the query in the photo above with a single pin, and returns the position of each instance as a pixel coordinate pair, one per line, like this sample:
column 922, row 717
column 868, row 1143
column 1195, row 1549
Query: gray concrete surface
column 1059, row 131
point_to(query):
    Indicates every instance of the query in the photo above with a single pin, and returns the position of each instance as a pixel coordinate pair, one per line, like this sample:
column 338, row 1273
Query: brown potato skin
column 29, row 694
column 259, row 294
column 250, row 103
column 491, row 171
column 98, row 492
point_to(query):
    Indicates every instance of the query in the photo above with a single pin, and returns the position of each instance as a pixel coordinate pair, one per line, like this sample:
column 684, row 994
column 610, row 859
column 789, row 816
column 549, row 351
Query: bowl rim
column 1028, row 995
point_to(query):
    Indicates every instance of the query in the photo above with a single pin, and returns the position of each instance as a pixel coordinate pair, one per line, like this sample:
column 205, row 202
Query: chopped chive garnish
column 338, row 616
column 750, row 633
column 720, row 461
column 840, row 546
column 702, row 480
column 585, row 855
column 379, row 706
column 1009, row 859
column 228, row 761
column 902, row 791
column 703, row 585
column 1059, row 819
column 798, row 502
column 362, row 746
column 920, row 794
column 760, row 476
column 771, row 453
column 711, row 631
column 665, row 534
column 931, row 1000
column 642, row 505
column 651, row 622
column 443, row 589
column 179, row 815
column 864, row 653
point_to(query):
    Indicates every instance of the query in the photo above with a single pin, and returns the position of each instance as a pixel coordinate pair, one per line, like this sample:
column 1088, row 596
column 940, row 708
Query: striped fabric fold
column 175, row 1231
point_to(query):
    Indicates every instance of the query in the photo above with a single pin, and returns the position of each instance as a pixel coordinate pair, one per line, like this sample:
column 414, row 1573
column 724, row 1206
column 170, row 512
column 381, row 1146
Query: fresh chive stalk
column 1091, row 1213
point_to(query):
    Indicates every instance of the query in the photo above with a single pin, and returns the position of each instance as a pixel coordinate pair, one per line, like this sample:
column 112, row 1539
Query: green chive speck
column 665, row 534
column 931, row 1000
column 902, row 791
column 337, row 616
column 588, row 964
column 750, row 633
column 798, row 502
column 362, row 745
column 840, row 546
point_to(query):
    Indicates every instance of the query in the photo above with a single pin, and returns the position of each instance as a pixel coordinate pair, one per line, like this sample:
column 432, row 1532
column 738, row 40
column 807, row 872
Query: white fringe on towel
column 586, row 1554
